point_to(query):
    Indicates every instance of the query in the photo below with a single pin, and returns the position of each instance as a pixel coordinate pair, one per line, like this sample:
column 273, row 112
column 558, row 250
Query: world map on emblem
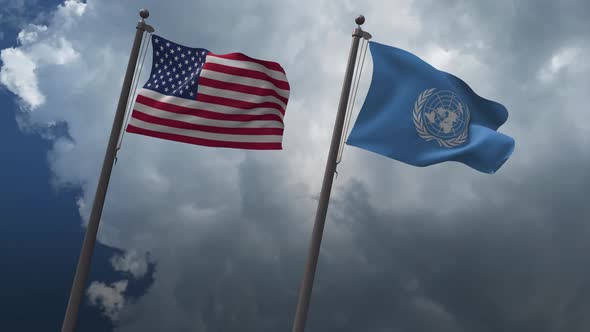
column 444, row 115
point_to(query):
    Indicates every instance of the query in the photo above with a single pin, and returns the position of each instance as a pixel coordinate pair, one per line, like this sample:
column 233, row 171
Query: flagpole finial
column 360, row 20
column 144, row 13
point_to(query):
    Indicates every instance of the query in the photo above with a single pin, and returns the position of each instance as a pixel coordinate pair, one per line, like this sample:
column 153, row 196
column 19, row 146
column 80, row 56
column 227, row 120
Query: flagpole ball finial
column 360, row 20
column 144, row 13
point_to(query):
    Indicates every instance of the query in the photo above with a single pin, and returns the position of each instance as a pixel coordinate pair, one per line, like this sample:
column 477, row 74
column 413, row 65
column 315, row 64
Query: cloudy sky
column 201, row 239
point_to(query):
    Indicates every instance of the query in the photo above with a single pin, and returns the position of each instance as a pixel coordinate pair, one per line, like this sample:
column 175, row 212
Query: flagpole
column 83, row 268
column 320, row 218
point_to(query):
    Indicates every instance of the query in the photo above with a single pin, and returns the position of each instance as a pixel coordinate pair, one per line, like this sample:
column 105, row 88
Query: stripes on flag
column 218, row 100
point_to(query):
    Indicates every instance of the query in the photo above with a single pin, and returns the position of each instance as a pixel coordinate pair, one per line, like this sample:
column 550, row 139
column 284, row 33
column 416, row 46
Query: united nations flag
column 421, row 116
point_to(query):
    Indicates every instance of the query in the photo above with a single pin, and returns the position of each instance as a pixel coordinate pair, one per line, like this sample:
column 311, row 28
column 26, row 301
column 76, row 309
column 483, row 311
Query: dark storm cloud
column 520, row 33
column 241, row 275
column 519, row 39
column 517, row 265
column 514, row 265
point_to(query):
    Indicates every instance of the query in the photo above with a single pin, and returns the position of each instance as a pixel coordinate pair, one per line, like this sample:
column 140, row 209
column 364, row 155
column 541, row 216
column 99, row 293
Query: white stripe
column 205, row 135
column 243, row 80
column 277, row 75
column 204, row 121
column 193, row 104
column 207, row 90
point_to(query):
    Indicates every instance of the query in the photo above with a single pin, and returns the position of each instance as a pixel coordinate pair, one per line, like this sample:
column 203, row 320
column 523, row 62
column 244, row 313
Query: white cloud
column 559, row 61
column 30, row 34
column 71, row 8
column 440, row 57
column 40, row 47
column 109, row 299
column 18, row 75
column 21, row 65
column 131, row 262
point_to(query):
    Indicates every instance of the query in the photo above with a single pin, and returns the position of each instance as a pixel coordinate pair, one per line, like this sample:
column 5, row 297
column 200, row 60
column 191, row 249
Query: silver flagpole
column 320, row 217
column 83, row 267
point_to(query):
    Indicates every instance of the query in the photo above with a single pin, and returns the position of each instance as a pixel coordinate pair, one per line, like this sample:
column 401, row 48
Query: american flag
column 219, row 100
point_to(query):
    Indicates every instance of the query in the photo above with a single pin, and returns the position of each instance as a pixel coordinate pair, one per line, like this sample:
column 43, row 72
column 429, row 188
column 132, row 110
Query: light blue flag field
column 422, row 116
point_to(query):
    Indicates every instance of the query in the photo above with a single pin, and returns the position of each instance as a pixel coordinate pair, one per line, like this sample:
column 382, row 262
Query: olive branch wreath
column 421, row 128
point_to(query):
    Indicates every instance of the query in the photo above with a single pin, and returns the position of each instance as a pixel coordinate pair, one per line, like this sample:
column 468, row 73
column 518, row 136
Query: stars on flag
column 177, row 67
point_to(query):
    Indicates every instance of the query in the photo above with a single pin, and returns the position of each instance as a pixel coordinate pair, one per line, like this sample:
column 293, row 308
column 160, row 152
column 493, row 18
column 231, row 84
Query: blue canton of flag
column 176, row 68
column 421, row 116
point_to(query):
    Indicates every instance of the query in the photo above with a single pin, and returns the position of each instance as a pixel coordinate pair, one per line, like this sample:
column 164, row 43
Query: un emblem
column 441, row 115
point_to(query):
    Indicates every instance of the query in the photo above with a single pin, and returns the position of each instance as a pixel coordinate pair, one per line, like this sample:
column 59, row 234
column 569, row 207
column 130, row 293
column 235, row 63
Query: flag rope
column 356, row 83
column 135, row 81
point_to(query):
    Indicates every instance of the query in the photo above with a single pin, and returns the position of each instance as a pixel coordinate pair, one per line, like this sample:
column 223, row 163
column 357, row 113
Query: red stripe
column 205, row 113
column 204, row 142
column 244, row 57
column 209, row 129
column 245, row 73
column 245, row 105
column 241, row 88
